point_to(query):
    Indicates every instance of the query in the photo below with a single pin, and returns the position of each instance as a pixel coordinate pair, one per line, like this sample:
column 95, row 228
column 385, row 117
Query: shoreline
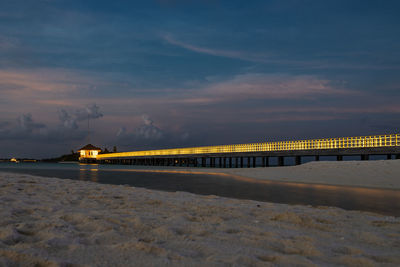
column 379, row 174
column 52, row 222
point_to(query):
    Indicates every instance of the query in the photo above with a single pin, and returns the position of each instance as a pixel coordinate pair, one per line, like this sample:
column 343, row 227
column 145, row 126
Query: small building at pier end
column 88, row 153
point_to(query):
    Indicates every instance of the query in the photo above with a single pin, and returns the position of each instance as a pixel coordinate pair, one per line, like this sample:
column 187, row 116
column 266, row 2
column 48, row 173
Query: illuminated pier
column 234, row 155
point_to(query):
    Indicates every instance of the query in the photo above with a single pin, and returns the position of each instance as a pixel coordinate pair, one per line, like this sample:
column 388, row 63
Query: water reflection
column 383, row 201
column 89, row 172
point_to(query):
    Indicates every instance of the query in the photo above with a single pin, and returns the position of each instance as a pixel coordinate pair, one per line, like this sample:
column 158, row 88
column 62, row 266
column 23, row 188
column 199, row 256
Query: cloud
column 46, row 87
column 27, row 123
column 263, row 86
column 216, row 52
column 146, row 132
column 71, row 121
column 25, row 127
column 90, row 112
column 274, row 58
column 7, row 43
column 67, row 120
column 149, row 135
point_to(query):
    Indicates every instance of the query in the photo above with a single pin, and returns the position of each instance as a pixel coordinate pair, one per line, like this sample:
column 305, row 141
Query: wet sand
column 373, row 174
column 59, row 222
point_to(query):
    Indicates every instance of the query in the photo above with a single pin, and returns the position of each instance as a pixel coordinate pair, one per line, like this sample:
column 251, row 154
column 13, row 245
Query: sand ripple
column 53, row 222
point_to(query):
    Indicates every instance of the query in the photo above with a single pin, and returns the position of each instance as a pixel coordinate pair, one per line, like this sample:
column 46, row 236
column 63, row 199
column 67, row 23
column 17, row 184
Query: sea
column 383, row 201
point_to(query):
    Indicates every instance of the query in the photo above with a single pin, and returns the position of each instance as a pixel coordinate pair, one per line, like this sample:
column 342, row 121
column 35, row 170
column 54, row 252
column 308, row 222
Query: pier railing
column 374, row 141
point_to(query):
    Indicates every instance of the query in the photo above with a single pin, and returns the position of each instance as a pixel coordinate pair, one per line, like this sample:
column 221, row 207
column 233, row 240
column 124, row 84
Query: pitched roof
column 90, row 147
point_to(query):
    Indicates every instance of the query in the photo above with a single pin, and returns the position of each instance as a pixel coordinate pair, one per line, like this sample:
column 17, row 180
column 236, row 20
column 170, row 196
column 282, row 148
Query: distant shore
column 61, row 222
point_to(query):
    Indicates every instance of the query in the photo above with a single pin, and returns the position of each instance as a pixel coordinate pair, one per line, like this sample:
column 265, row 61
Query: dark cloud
column 67, row 120
column 71, row 121
column 149, row 135
column 25, row 127
column 90, row 112
column 146, row 133
column 26, row 123
column 4, row 124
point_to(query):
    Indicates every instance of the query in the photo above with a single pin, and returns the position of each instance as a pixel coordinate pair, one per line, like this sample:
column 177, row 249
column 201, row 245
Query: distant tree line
column 74, row 156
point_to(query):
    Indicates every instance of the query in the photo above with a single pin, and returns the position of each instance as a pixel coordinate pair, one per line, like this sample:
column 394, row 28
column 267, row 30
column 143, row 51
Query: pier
column 247, row 155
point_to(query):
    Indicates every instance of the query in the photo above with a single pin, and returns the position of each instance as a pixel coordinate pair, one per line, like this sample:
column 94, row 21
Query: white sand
column 54, row 222
column 375, row 174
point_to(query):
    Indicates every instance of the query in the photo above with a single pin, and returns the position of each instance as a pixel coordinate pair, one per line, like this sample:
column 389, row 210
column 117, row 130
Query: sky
column 174, row 73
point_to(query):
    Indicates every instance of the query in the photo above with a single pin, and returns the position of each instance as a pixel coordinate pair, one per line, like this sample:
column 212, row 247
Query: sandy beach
column 372, row 174
column 56, row 222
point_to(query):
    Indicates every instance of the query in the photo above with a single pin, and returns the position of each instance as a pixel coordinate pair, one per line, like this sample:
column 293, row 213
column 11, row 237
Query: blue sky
column 153, row 74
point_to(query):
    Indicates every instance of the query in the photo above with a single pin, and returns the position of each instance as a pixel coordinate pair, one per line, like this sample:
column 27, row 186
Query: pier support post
column 389, row 156
column 281, row 161
column 317, row 158
column 203, row 162
column 364, row 157
column 230, row 162
column 254, row 162
column 220, row 162
column 398, row 156
column 236, row 162
column 248, row 162
column 298, row 160
column 241, row 162
column 224, row 162
column 339, row 158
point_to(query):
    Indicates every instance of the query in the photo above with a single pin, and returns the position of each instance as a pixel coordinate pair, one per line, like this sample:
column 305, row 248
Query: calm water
column 376, row 200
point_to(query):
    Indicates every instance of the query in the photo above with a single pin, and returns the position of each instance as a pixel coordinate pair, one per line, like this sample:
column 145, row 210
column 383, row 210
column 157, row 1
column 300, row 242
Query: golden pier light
column 373, row 141
column 88, row 153
column 14, row 160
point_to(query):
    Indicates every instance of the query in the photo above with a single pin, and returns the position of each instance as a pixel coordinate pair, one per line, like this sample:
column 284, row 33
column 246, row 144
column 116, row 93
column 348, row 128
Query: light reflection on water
column 89, row 175
column 213, row 183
